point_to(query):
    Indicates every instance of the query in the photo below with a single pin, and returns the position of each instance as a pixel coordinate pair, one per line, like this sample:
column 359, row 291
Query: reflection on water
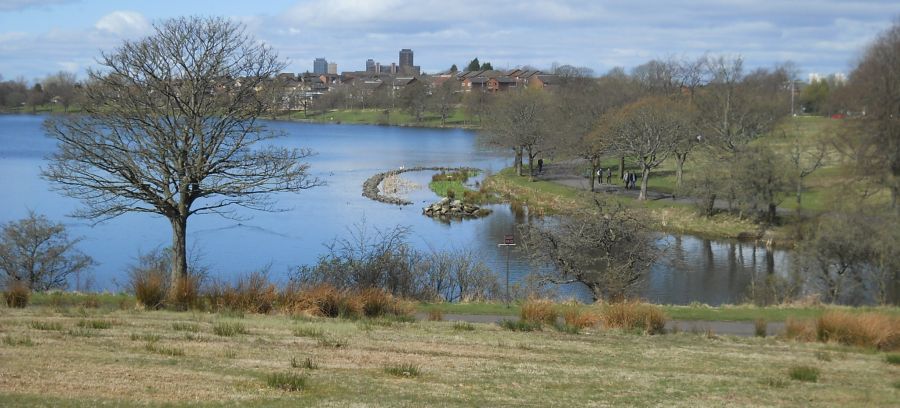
column 692, row 269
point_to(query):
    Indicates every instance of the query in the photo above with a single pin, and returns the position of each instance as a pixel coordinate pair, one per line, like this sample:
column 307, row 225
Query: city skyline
column 38, row 38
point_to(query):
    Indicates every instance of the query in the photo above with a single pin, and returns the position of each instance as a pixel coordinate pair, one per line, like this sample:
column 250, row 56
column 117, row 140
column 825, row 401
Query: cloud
column 123, row 24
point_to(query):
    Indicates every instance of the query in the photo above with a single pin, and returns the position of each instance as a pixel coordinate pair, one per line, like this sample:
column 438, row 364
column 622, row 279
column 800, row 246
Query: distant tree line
column 60, row 88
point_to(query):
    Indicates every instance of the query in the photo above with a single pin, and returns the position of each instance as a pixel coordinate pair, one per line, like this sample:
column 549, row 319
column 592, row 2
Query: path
column 743, row 329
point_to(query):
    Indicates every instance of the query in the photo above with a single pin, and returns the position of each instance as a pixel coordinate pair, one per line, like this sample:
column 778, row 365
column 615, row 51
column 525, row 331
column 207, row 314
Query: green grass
column 892, row 358
column 519, row 325
column 95, row 324
column 804, row 373
column 286, row 381
column 228, row 329
column 306, row 363
column 397, row 117
column 403, row 370
column 154, row 347
column 39, row 325
column 185, row 326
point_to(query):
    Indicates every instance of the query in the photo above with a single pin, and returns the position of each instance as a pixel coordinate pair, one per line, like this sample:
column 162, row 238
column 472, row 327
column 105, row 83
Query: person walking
column 625, row 178
column 540, row 166
column 633, row 181
column 600, row 176
column 608, row 175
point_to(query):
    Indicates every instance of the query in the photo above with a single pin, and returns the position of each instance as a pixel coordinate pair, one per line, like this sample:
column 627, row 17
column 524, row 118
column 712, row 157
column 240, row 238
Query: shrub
column 581, row 319
column 804, row 373
column 760, row 327
column 229, row 329
column 92, row 301
column 435, row 315
column 150, row 287
column 519, row 325
column 38, row 325
column 375, row 302
column 253, row 293
column 149, row 278
column 403, row 370
column 17, row 294
column 286, row 381
column 862, row 329
column 799, row 330
column 185, row 294
column 321, row 300
column 539, row 311
column 632, row 315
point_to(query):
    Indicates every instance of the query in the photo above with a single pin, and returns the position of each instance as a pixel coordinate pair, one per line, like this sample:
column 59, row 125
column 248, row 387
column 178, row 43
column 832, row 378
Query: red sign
column 508, row 239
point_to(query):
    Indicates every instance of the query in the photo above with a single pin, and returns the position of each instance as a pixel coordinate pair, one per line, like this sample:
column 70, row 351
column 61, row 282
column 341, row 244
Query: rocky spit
column 447, row 208
column 371, row 186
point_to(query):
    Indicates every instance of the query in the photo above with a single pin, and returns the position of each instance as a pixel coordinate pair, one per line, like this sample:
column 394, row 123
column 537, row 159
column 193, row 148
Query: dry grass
column 861, row 329
column 149, row 287
column 253, row 293
column 488, row 366
column 580, row 317
column 799, row 330
column 17, row 294
column 539, row 311
column 633, row 315
column 435, row 315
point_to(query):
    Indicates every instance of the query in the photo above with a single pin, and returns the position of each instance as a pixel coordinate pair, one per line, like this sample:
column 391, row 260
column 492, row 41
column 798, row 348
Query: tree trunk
column 680, row 158
column 799, row 191
column 593, row 174
column 710, row 205
column 530, row 165
column 179, row 249
column 621, row 166
column 518, row 161
column 772, row 214
column 645, row 176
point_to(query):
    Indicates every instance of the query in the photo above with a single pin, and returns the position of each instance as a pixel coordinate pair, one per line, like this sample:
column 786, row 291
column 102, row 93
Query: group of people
column 629, row 178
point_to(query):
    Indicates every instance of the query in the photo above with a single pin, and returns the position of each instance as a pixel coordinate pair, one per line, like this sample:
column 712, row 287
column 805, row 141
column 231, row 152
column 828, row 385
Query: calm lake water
column 692, row 269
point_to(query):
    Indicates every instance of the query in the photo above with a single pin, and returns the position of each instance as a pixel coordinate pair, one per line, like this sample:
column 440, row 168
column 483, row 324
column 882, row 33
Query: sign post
column 508, row 241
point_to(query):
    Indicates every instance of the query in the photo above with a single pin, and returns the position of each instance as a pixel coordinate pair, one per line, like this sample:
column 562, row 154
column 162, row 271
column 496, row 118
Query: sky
column 38, row 38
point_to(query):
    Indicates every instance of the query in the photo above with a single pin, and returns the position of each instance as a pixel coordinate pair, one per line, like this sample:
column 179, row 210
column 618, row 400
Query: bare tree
column 61, row 88
column 521, row 121
column 445, row 98
column 39, row 253
column 607, row 250
column 414, row 98
column 169, row 127
column 649, row 130
column 805, row 158
column 876, row 87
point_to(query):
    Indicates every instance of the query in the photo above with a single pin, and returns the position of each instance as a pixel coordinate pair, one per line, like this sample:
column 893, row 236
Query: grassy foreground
column 87, row 357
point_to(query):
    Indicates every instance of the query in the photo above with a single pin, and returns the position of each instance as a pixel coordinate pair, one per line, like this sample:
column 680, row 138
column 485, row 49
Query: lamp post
column 508, row 242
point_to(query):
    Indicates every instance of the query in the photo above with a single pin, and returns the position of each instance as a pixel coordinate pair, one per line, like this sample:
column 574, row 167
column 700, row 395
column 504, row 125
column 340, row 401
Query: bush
column 185, row 294
column 579, row 318
column 286, row 381
column 17, row 294
column 859, row 329
column 253, row 293
column 149, row 278
column 804, row 373
column 519, row 325
column 91, row 301
column 435, row 315
column 375, row 302
column 321, row 300
column 539, row 311
column 632, row 315
column 760, row 327
column 799, row 330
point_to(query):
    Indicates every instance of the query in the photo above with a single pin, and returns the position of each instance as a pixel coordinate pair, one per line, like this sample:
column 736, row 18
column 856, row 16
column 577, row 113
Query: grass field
column 396, row 117
column 88, row 357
